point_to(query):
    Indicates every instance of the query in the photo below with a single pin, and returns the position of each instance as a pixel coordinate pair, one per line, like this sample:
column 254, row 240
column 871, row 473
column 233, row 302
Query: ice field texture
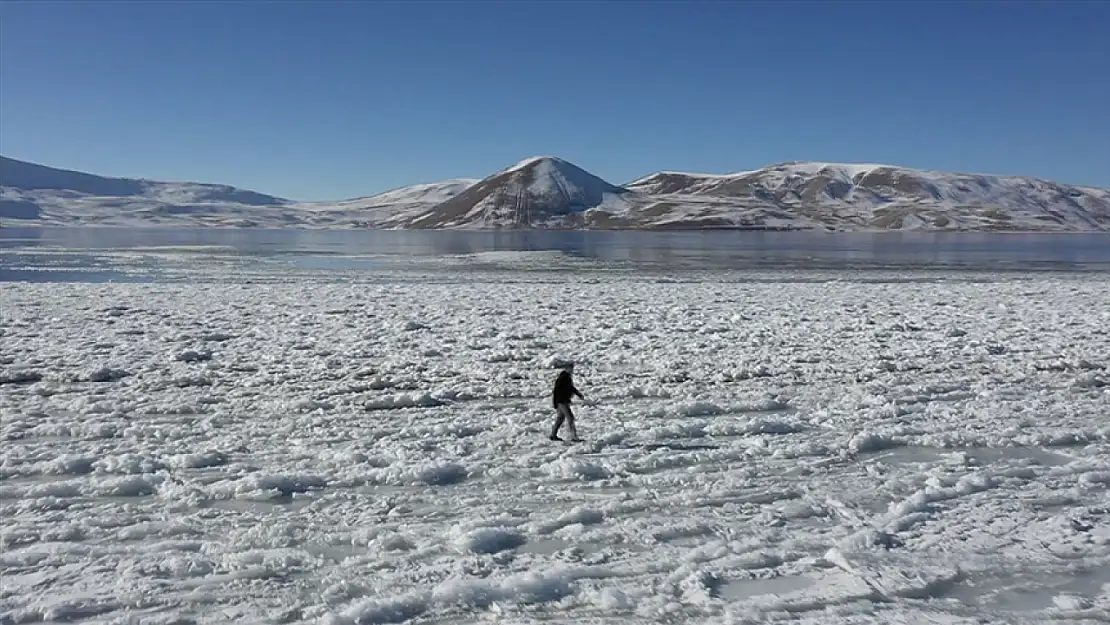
column 761, row 447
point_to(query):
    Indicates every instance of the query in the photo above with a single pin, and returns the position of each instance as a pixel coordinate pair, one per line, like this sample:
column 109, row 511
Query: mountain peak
column 534, row 191
column 533, row 161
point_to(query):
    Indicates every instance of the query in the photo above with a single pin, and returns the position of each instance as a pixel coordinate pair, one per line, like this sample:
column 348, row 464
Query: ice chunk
column 488, row 539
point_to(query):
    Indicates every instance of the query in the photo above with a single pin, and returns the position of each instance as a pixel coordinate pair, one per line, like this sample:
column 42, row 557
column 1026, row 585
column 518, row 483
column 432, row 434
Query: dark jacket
column 564, row 389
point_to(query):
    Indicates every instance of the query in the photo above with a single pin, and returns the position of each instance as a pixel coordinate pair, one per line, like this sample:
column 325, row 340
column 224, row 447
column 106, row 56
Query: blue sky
column 327, row 100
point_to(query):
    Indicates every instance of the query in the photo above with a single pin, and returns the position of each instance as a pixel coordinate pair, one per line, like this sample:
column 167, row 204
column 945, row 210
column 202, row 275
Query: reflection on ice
column 1016, row 455
column 740, row 589
column 1002, row 590
column 122, row 255
column 909, row 455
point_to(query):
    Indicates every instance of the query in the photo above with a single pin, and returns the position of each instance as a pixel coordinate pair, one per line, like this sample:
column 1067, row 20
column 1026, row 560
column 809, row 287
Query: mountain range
column 549, row 192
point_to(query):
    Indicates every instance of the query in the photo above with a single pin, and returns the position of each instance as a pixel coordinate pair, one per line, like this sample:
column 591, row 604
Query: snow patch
column 270, row 486
column 569, row 468
column 578, row 515
column 520, row 589
column 106, row 374
column 201, row 460
column 404, row 400
column 870, row 441
column 488, row 539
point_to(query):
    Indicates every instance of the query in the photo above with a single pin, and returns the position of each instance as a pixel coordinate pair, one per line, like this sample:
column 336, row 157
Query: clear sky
column 328, row 100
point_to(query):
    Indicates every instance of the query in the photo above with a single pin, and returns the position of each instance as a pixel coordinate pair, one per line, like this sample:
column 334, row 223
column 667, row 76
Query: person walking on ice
column 560, row 398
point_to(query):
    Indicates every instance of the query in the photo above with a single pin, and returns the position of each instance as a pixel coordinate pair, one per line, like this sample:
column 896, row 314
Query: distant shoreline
column 677, row 228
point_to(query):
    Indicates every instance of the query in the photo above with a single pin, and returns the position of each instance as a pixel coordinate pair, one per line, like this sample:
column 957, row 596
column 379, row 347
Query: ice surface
column 371, row 448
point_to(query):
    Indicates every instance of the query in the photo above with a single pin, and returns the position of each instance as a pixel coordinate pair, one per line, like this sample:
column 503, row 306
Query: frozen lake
column 97, row 254
column 343, row 428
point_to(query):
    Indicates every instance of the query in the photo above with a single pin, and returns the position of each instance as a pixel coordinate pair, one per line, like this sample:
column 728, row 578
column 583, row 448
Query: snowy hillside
column 549, row 192
column 537, row 191
column 387, row 209
column 848, row 197
column 33, row 194
column 30, row 192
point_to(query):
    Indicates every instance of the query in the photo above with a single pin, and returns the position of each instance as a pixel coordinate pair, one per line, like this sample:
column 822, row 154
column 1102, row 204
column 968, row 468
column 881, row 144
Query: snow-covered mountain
column 30, row 192
column 549, row 192
column 391, row 208
column 536, row 192
column 36, row 194
column 840, row 196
